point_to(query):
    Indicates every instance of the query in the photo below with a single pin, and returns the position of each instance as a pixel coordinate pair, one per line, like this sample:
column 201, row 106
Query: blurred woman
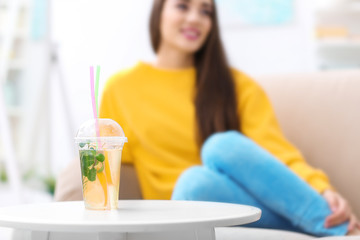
column 200, row 130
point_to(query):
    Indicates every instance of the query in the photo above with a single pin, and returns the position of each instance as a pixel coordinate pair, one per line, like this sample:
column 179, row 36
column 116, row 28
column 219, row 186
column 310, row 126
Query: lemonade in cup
column 100, row 162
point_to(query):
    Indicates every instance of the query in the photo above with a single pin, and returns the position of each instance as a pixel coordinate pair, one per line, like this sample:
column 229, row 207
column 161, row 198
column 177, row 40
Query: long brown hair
column 215, row 100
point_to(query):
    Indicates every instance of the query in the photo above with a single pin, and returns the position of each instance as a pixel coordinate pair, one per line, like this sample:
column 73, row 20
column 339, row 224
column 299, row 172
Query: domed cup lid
column 111, row 133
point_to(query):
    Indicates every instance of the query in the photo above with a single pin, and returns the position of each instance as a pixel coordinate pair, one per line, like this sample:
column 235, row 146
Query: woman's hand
column 341, row 211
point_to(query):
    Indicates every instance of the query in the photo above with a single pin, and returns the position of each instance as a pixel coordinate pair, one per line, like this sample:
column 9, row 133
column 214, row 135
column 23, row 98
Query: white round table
column 135, row 219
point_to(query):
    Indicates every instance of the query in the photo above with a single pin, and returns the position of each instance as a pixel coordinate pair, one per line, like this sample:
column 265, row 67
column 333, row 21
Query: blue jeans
column 236, row 170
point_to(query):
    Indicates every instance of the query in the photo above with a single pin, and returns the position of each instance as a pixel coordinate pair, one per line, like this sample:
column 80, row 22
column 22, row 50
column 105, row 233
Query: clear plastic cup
column 100, row 162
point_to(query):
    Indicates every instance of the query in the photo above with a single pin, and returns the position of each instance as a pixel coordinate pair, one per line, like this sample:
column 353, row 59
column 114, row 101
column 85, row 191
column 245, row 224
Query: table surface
column 132, row 216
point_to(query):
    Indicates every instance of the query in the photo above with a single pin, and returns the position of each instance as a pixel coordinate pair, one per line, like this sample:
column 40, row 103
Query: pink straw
column 94, row 104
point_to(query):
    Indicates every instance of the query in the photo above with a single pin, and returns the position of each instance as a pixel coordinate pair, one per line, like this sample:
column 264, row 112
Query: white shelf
column 338, row 26
column 19, row 24
column 338, row 43
column 340, row 8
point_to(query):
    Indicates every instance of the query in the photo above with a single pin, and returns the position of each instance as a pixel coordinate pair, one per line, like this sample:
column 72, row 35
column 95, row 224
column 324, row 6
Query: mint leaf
column 85, row 172
column 92, row 174
column 100, row 157
column 87, row 158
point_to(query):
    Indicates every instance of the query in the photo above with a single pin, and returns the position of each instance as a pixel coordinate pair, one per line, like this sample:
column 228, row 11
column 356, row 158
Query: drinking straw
column 97, row 89
column 93, row 100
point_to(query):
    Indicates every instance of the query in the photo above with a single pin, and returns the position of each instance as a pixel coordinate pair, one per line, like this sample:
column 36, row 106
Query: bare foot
column 355, row 232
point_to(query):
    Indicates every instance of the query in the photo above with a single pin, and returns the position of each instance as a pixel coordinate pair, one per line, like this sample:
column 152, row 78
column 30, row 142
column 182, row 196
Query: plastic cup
column 100, row 162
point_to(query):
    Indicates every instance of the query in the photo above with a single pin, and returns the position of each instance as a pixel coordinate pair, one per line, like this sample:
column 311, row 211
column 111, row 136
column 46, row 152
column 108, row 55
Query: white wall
column 114, row 34
column 274, row 49
column 109, row 33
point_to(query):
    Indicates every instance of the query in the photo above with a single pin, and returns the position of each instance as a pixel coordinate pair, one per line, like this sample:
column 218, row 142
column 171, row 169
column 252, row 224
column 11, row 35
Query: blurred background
column 47, row 46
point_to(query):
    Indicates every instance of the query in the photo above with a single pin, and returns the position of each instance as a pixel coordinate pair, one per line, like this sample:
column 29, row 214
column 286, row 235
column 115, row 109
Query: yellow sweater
column 156, row 111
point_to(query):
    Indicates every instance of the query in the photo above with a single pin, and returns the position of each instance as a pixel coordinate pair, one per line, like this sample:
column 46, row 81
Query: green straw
column 97, row 89
column 93, row 101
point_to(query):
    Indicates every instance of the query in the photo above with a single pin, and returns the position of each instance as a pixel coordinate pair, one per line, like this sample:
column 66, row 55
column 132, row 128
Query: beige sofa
column 318, row 112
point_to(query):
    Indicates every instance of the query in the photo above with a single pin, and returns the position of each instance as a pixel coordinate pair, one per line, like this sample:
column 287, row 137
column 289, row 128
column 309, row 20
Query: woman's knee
column 194, row 183
column 226, row 146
